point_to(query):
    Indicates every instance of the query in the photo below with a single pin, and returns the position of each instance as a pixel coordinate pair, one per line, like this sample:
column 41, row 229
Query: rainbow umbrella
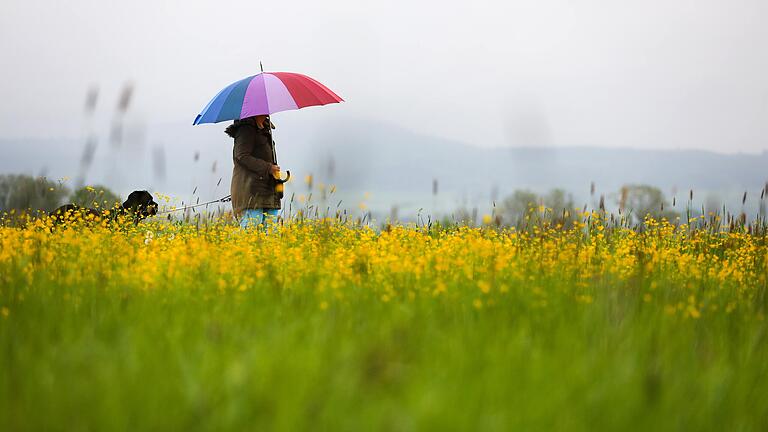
column 266, row 93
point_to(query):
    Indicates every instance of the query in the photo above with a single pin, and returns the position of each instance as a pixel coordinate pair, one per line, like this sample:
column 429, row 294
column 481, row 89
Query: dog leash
column 220, row 200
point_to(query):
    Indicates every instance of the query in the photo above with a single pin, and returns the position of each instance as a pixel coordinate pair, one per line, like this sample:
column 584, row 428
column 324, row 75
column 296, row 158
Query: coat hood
column 232, row 129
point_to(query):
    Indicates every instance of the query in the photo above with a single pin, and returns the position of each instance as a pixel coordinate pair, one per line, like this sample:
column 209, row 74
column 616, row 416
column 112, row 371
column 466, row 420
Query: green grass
column 191, row 356
column 174, row 360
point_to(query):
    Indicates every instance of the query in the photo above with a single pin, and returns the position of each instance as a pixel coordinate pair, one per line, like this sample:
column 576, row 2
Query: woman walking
column 255, row 198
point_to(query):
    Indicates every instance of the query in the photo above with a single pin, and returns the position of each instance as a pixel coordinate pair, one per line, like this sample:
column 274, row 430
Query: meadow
column 329, row 325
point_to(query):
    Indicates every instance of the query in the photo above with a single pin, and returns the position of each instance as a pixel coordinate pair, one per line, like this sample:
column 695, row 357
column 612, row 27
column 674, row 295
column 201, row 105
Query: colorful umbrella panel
column 266, row 93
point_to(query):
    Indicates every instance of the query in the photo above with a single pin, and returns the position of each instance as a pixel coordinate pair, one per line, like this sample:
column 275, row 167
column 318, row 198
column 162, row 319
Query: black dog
column 139, row 205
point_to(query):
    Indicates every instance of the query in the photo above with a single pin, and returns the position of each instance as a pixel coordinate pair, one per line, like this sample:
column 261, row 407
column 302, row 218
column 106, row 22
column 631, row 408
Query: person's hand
column 275, row 170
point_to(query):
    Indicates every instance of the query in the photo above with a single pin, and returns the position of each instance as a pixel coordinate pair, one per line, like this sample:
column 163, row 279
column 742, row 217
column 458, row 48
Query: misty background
column 447, row 105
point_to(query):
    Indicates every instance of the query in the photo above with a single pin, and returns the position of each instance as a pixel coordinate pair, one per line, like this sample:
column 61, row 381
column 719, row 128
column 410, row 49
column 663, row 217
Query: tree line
column 21, row 193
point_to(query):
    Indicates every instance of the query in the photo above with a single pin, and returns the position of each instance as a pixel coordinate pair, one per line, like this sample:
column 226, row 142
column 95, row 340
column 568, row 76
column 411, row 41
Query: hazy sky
column 648, row 74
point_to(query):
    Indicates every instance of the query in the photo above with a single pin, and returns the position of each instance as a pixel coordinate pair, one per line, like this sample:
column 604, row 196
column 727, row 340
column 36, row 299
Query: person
column 255, row 198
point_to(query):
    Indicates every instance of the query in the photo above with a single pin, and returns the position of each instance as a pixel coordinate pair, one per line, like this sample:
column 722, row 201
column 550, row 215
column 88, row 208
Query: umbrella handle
column 281, row 181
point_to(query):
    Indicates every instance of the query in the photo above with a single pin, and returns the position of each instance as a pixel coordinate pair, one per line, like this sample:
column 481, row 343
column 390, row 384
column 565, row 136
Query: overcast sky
column 647, row 74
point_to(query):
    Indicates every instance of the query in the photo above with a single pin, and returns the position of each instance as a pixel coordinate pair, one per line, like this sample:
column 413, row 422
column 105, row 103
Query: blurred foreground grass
column 327, row 326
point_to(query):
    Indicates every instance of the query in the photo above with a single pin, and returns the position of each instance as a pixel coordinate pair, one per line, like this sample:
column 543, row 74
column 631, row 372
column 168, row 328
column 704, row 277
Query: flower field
column 336, row 326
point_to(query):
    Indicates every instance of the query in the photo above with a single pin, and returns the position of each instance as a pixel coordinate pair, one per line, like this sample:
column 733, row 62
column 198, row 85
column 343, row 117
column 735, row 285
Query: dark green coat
column 253, row 186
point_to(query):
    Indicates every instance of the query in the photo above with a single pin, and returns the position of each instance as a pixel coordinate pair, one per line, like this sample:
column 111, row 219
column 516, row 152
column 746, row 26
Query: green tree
column 515, row 207
column 558, row 207
column 95, row 196
column 558, row 200
column 22, row 192
column 643, row 200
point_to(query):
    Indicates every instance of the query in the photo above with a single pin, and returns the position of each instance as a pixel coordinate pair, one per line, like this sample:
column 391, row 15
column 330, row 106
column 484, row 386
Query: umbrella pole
column 269, row 126
column 272, row 138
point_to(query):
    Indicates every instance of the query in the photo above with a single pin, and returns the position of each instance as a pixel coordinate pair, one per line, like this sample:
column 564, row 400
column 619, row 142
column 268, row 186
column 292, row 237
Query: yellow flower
column 484, row 286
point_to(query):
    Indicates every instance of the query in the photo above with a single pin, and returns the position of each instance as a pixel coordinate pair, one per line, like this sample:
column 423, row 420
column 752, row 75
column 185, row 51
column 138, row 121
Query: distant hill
column 378, row 158
column 395, row 166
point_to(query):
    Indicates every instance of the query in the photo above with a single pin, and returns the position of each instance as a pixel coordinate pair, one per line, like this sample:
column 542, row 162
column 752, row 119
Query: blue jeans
column 252, row 218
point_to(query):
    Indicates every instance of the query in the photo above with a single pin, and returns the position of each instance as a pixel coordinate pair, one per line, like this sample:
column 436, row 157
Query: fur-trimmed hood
column 232, row 129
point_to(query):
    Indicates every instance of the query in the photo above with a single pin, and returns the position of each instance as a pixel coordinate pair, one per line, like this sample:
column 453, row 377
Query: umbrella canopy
column 266, row 93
